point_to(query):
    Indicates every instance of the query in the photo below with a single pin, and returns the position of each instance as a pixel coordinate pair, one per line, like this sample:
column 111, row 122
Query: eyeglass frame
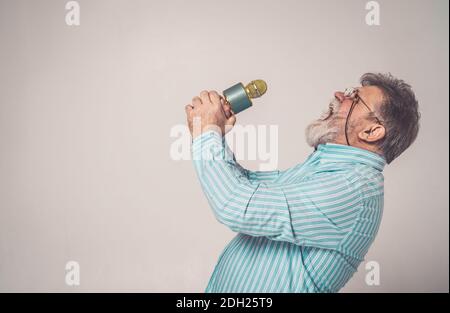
column 352, row 93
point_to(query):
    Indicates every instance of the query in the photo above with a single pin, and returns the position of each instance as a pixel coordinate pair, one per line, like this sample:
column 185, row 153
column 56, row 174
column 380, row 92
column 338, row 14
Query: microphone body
column 239, row 97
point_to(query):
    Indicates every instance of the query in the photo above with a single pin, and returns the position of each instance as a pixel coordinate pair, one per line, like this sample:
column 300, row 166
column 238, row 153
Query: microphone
column 239, row 97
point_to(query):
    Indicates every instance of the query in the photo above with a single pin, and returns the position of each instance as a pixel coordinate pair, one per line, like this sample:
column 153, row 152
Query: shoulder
column 368, row 180
column 358, row 178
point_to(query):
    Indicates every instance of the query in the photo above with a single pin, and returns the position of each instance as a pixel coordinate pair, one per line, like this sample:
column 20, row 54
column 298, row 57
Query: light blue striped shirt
column 305, row 229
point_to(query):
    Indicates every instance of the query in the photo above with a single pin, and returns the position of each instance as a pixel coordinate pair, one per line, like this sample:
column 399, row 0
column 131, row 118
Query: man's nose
column 339, row 95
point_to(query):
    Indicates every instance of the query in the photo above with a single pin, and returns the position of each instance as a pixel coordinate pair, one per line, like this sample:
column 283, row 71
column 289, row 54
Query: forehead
column 371, row 95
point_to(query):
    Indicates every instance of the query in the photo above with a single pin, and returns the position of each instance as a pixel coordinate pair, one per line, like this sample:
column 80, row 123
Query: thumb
column 231, row 120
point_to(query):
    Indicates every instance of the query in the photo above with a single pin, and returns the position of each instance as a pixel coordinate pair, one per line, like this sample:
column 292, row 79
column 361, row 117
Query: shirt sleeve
column 316, row 212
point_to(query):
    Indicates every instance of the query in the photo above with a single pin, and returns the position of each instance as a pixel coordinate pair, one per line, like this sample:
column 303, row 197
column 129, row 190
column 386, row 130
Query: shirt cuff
column 208, row 145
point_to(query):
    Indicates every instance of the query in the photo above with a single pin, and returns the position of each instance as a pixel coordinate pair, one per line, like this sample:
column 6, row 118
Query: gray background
column 86, row 113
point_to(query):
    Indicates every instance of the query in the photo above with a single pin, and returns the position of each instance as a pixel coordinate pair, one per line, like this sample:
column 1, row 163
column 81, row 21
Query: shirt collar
column 336, row 153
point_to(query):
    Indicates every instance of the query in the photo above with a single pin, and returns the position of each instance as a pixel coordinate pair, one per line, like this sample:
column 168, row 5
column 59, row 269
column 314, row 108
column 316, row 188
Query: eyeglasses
column 352, row 93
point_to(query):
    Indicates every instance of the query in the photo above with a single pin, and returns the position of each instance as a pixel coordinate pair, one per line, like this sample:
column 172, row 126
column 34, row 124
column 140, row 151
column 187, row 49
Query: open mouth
column 332, row 107
column 326, row 115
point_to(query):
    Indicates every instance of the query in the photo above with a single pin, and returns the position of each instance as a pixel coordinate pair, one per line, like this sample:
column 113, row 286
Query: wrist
column 207, row 129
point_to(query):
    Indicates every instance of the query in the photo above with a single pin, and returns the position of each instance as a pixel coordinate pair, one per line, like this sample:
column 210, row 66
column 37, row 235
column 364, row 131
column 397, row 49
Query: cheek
column 345, row 107
column 337, row 123
column 340, row 116
column 355, row 117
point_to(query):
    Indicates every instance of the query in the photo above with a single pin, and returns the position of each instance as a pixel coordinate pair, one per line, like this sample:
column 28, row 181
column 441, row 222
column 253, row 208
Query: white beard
column 323, row 130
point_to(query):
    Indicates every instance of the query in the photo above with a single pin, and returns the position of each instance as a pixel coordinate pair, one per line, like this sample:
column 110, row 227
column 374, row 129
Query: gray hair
column 399, row 111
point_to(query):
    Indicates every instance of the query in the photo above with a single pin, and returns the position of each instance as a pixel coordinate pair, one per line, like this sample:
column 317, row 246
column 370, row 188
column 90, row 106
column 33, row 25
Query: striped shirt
column 305, row 229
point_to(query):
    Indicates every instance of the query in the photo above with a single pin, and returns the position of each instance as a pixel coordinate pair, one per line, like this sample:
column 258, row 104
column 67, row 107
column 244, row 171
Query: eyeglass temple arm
column 346, row 121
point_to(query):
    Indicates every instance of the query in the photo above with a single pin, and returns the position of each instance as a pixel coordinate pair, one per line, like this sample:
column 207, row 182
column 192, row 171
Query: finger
column 224, row 101
column 196, row 101
column 215, row 97
column 188, row 109
column 231, row 120
column 227, row 111
column 226, row 107
column 204, row 96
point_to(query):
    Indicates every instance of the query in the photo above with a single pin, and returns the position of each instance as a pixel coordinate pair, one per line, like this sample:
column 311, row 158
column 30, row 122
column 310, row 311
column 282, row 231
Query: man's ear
column 372, row 133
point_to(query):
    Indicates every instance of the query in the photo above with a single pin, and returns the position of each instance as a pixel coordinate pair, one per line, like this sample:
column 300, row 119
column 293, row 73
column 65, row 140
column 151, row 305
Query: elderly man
column 307, row 228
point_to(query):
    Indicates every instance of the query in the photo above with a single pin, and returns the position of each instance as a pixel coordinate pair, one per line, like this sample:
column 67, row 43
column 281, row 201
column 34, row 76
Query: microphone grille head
column 256, row 88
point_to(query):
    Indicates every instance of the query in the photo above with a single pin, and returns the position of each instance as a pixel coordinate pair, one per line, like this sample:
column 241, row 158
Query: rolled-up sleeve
column 317, row 211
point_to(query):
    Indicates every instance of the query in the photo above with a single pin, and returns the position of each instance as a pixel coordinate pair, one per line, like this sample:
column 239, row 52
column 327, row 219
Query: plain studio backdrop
column 86, row 113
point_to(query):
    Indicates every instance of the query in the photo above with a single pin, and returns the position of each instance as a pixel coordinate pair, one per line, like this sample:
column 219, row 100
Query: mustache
column 332, row 108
